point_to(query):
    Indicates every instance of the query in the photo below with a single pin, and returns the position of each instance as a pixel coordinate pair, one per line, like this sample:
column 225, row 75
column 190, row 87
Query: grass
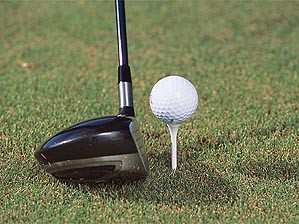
column 238, row 156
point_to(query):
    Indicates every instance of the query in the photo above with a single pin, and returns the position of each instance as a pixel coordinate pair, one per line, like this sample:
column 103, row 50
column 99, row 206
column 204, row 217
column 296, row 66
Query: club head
column 98, row 150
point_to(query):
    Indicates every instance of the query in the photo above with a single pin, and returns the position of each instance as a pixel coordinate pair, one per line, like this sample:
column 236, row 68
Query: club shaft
column 121, row 32
column 125, row 91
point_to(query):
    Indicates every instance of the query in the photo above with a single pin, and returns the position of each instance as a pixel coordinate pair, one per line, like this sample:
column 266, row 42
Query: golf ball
column 173, row 99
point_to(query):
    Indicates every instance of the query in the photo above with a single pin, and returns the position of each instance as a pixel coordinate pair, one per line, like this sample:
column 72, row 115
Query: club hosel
column 125, row 91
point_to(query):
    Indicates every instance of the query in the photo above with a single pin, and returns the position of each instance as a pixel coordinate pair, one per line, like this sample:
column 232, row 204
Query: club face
column 98, row 150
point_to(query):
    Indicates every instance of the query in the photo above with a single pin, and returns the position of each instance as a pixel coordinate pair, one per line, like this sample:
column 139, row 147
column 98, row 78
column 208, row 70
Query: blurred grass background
column 238, row 156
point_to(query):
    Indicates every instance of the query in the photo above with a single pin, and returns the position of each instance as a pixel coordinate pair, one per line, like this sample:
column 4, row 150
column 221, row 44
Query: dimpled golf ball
column 173, row 99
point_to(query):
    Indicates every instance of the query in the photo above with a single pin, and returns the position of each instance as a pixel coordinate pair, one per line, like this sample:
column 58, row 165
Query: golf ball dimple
column 173, row 99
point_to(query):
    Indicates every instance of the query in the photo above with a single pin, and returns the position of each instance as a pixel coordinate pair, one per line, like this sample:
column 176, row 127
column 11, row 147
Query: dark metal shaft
column 121, row 32
column 125, row 92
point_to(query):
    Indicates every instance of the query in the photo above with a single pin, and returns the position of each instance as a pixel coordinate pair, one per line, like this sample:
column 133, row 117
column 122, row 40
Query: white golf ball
column 173, row 99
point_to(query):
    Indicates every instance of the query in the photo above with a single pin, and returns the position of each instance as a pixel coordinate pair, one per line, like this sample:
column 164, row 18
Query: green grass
column 238, row 156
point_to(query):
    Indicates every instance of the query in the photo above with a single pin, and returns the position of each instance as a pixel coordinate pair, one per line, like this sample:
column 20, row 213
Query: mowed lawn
column 238, row 155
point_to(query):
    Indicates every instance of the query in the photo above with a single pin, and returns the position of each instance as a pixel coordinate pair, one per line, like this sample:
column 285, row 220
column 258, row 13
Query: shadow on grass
column 195, row 183
column 280, row 170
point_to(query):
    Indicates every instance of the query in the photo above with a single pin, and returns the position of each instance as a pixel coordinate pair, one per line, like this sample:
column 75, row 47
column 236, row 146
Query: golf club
column 102, row 149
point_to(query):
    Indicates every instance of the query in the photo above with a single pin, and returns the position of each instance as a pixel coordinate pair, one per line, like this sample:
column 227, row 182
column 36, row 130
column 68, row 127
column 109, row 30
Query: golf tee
column 173, row 128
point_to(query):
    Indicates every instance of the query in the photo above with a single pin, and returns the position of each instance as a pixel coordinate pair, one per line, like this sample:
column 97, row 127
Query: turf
column 238, row 156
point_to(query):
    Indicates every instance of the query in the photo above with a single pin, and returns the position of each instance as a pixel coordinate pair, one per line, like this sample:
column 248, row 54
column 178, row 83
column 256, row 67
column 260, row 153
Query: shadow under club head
column 98, row 150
